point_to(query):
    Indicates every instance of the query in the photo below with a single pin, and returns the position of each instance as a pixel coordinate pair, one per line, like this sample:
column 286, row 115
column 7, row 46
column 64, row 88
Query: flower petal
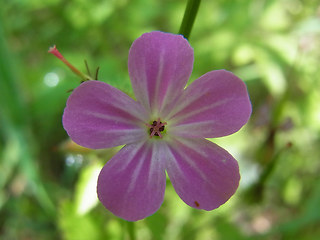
column 160, row 65
column 98, row 115
column 132, row 184
column 215, row 105
column 203, row 174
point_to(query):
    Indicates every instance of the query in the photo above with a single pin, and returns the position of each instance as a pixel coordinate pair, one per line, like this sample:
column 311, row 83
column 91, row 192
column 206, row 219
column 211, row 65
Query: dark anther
column 156, row 127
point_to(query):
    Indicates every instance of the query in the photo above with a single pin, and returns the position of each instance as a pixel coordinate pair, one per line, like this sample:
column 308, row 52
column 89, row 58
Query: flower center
column 156, row 128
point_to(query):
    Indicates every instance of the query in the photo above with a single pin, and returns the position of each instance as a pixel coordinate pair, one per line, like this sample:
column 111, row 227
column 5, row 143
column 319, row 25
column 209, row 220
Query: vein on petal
column 156, row 162
column 190, row 162
column 109, row 117
column 156, row 99
column 185, row 129
column 198, row 110
column 193, row 165
column 130, row 158
column 137, row 170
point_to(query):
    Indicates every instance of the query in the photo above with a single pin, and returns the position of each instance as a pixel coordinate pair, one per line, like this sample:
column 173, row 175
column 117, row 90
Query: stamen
column 156, row 128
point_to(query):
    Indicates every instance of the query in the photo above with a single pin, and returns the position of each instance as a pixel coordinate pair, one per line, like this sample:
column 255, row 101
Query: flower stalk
column 189, row 17
column 131, row 230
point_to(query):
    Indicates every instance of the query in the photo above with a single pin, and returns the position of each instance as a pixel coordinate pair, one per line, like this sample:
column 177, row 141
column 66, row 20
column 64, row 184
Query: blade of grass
column 19, row 151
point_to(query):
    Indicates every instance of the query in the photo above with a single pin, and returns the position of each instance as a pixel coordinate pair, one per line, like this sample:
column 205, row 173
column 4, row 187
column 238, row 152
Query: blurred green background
column 47, row 183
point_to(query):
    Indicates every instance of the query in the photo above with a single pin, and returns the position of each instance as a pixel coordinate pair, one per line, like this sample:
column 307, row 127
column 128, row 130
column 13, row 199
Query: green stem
column 189, row 17
column 131, row 230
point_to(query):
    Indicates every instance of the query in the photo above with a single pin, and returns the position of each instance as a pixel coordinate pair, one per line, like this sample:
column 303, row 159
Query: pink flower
column 164, row 130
